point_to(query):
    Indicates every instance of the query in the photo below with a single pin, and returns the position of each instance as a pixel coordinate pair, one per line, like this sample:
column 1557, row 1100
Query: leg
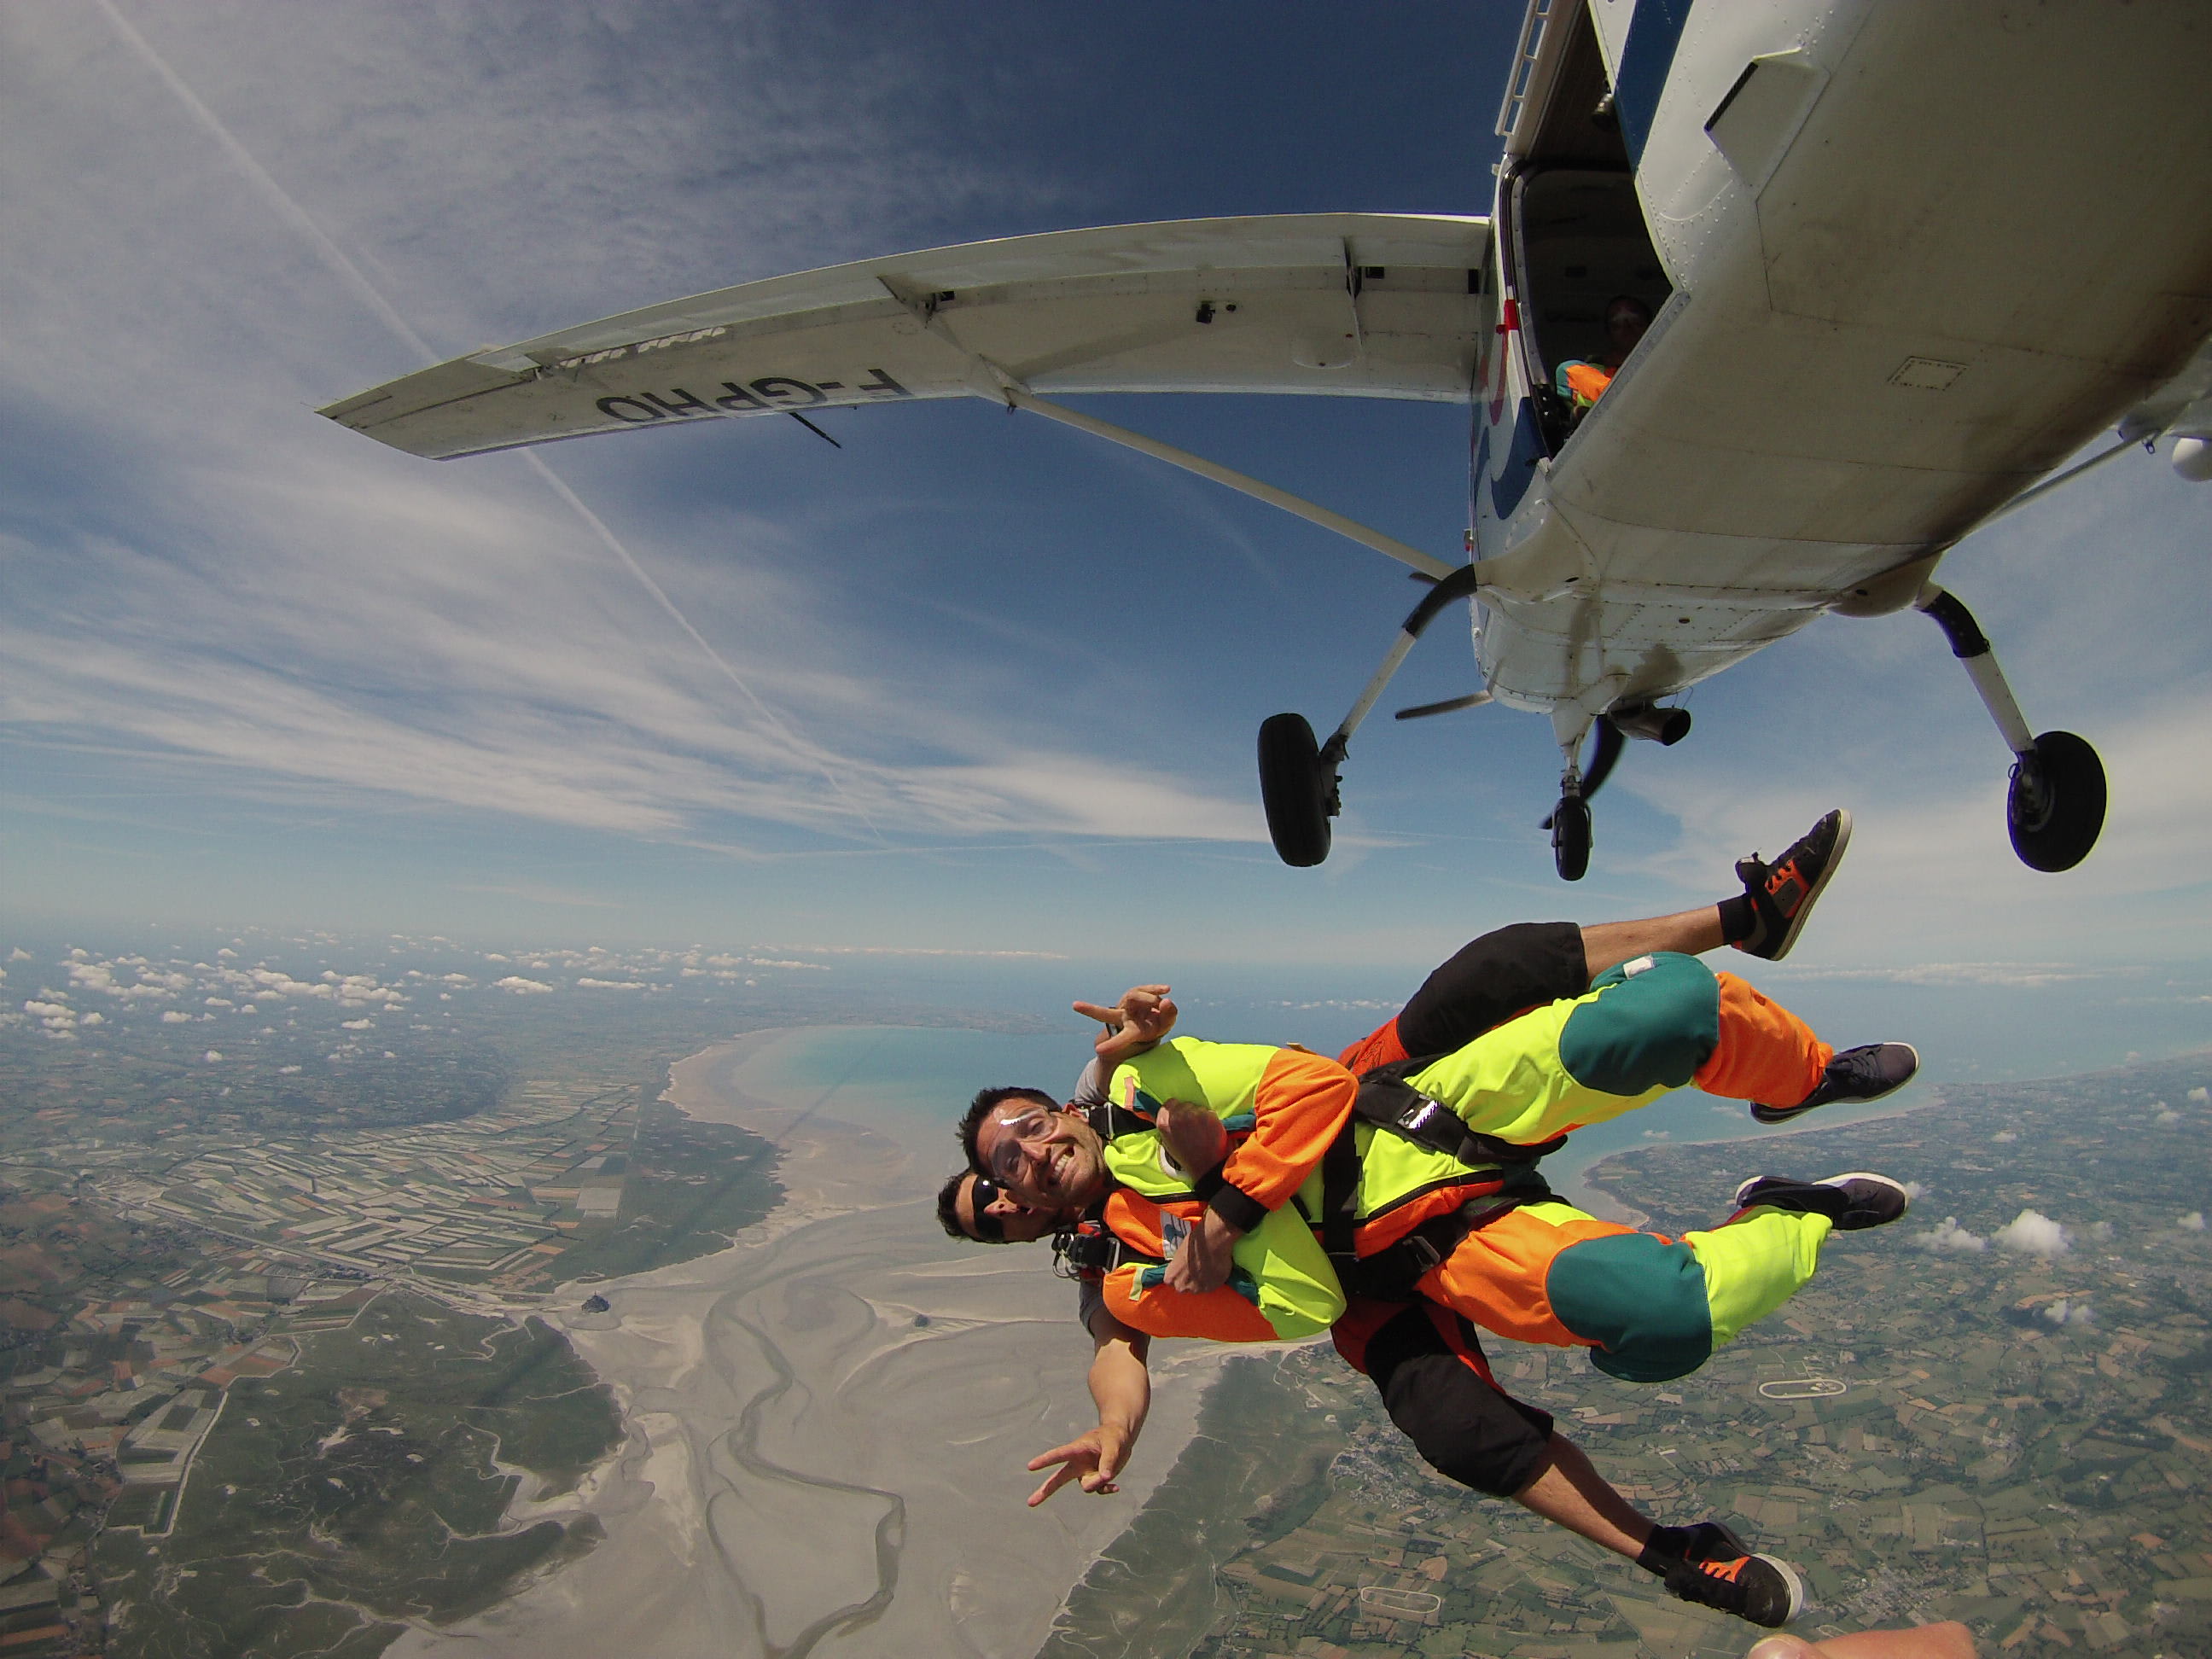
column 1427, row 1363
column 1570, row 1493
column 1650, row 1308
column 1513, row 969
column 1689, row 933
column 1650, row 1025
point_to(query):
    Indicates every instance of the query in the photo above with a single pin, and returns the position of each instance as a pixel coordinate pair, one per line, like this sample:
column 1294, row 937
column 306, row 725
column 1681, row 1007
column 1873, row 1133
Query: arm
column 1302, row 1101
column 1121, row 1385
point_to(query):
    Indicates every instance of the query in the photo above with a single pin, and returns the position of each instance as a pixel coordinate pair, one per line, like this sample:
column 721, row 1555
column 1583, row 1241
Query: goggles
column 1031, row 1124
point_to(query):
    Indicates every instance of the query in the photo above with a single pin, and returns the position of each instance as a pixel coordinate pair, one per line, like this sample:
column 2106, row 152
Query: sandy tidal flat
column 826, row 1428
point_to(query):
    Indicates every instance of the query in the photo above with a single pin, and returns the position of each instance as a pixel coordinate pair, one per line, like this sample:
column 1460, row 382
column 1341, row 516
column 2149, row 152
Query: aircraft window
column 1582, row 246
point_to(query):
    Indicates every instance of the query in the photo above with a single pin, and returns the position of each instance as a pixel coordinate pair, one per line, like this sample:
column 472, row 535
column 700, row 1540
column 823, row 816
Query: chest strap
column 1391, row 1104
column 1388, row 1102
column 1091, row 1251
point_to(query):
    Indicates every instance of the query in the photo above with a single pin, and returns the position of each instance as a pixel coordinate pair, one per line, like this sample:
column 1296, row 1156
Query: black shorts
column 1503, row 974
column 1462, row 1424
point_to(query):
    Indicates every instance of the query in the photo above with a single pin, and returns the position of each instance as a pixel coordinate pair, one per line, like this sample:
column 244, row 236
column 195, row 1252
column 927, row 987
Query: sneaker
column 1764, row 1589
column 1782, row 893
column 1856, row 1074
column 1854, row 1202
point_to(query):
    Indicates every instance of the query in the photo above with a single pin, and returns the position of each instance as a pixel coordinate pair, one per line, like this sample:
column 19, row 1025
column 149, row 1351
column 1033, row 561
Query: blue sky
column 991, row 686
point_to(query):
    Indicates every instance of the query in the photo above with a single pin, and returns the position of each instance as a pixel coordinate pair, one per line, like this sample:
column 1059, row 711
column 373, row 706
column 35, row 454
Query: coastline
column 825, row 1425
column 1578, row 1189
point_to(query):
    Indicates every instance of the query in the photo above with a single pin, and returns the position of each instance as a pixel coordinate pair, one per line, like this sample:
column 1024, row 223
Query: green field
column 359, row 1488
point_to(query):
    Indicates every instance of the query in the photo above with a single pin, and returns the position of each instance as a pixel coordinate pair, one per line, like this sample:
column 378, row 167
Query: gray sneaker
column 1854, row 1202
column 1856, row 1074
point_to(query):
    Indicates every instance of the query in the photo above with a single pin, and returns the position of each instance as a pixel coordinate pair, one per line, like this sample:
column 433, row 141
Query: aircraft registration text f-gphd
column 1775, row 304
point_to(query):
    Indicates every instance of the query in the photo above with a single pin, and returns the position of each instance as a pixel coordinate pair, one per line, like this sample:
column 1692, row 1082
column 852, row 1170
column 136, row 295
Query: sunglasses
column 983, row 1227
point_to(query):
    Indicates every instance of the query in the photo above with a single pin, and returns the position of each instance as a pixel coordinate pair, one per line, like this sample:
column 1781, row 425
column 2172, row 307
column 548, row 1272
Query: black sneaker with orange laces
column 1711, row 1565
column 1782, row 893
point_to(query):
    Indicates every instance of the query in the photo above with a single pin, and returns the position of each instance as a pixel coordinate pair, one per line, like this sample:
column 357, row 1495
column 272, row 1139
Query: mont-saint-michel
column 367, row 1298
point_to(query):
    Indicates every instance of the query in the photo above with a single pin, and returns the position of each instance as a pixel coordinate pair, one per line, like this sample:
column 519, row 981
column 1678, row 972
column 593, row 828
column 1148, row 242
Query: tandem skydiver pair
column 1249, row 1193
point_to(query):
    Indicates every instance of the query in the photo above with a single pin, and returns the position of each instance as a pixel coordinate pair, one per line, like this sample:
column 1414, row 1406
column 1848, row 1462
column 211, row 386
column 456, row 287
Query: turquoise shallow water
column 906, row 1077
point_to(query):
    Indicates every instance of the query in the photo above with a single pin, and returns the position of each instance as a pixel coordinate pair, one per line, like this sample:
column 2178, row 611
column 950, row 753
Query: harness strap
column 1390, row 1275
column 1388, row 1102
column 1109, row 1121
column 1339, row 1194
column 1093, row 1250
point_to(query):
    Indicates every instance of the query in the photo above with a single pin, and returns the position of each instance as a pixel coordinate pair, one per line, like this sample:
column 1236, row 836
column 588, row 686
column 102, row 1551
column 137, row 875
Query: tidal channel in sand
column 826, row 1423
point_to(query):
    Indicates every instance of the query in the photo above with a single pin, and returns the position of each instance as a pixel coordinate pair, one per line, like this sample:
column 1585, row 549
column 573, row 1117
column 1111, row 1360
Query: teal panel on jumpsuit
column 1642, row 1299
column 1645, row 1030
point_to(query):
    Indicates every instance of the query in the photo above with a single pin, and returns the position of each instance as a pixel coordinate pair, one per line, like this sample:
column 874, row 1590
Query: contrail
column 332, row 255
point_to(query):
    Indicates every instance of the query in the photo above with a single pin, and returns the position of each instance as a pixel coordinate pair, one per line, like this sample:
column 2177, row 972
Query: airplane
column 1776, row 304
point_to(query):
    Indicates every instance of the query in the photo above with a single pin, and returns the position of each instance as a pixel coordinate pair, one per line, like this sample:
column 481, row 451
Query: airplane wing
column 1364, row 305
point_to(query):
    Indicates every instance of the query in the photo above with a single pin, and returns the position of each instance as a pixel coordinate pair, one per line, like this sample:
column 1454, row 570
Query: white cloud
column 212, row 1055
column 1948, row 1235
column 485, row 652
column 2032, row 1233
column 520, row 986
column 2192, row 1222
column 588, row 984
column 2004, row 1135
column 175, row 1016
column 2067, row 1311
column 2168, row 1116
column 286, row 1071
column 2199, row 1095
column 357, row 1024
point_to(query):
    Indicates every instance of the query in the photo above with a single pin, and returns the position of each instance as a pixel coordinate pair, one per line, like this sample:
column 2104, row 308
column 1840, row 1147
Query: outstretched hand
column 1141, row 1018
column 1094, row 1459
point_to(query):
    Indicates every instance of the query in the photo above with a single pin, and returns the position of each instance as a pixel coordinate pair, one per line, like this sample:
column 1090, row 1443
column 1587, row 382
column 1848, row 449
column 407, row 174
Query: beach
column 826, row 1423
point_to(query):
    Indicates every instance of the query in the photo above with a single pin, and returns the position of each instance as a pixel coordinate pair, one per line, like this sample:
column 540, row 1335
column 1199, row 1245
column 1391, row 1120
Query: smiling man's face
column 1044, row 1158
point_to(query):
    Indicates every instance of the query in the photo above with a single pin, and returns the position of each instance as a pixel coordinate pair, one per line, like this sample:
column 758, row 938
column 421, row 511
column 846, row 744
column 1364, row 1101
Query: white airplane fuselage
column 1905, row 259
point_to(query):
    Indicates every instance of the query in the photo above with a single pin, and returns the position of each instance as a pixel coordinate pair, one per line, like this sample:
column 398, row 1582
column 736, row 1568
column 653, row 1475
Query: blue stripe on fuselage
column 1507, row 488
column 1653, row 34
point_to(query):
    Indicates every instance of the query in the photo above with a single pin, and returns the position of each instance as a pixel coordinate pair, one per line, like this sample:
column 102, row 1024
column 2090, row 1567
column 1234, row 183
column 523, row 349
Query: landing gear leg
column 1571, row 818
column 1299, row 777
column 2056, row 805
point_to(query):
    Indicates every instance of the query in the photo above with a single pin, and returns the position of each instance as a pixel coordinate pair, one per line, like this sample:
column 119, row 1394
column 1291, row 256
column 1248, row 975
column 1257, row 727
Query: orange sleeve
column 1303, row 1101
column 1587, row 382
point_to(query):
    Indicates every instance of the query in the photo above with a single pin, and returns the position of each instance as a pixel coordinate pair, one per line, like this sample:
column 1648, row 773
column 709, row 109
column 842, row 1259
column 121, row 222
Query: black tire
column 1571, row 837
column 1298, row 792
column 2055, row 816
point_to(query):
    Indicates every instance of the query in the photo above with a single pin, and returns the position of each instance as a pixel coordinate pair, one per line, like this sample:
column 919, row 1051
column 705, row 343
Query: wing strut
column 1009, row 388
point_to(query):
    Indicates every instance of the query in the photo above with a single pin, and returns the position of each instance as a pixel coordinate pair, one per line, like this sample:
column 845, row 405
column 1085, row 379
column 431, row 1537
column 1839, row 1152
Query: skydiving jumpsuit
column 1648, row 1307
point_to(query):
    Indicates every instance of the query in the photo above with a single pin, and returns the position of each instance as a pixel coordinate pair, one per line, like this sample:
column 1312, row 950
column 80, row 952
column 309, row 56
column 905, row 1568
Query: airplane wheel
column 1571, row 837
column 1298, row 788
column 2056, row 806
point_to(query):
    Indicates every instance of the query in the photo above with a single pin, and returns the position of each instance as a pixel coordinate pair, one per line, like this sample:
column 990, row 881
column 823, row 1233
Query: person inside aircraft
column 1582, row 381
